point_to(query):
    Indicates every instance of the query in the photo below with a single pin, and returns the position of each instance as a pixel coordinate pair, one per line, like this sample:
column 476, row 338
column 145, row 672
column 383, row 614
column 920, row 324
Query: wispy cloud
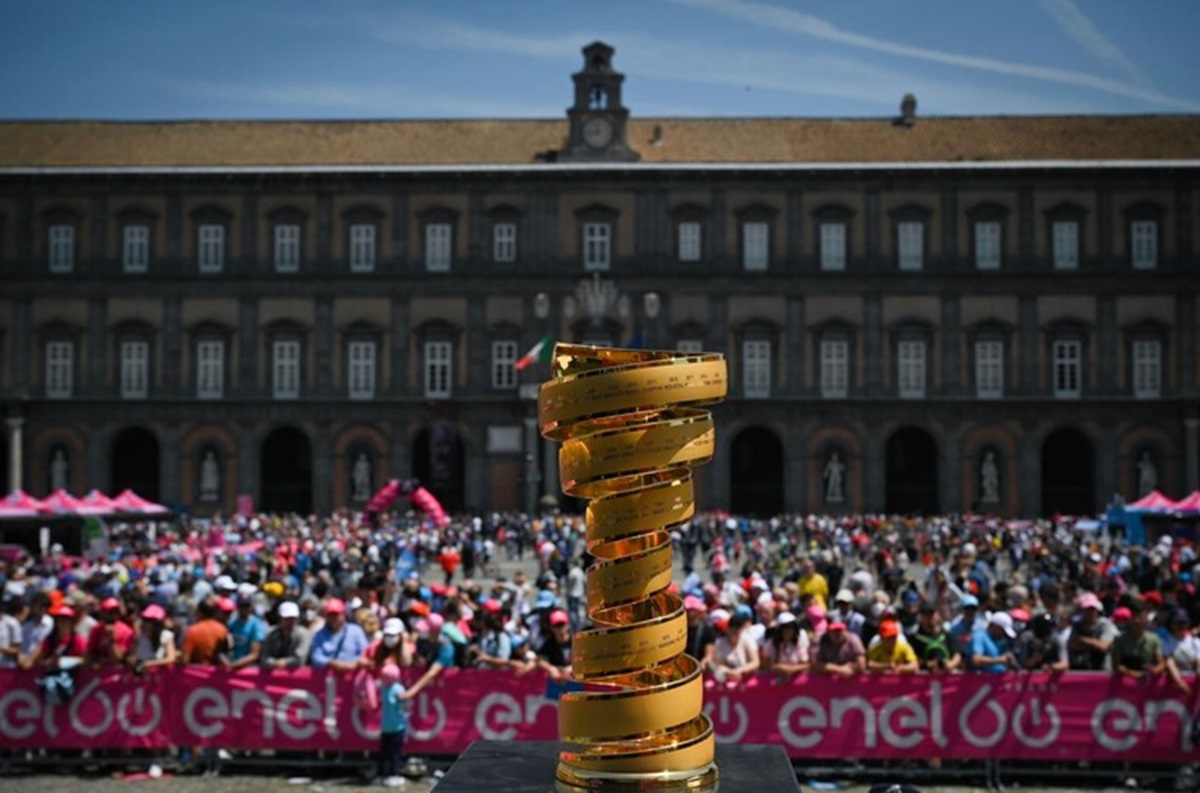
column 359, row 99
column 786, row 19
column 1084, row 32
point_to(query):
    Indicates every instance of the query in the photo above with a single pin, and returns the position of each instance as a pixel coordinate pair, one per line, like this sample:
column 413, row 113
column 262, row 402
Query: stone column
column 172, row 348
column 1028, row 338
column 322, row 470
column 97, row 347
column 874, row 472
column 533, row 475
column 795, row 346
column 324, row 257
column 248, row 347
column 1191, row 454
column 949, row 243
column 97, row 459
column 22, row 344
column 1185, row 311
column 951, row 484
column 169, row 465
column 399, row 344
column 550, row 469
column 1106, row 344
column 795, row 470
column 15, row 462
column 475, row 227
column 475, row 470
column 1031, row 475
column 399, row 454
column 718, row 255
column 478, row 349
column 951, row 337
column 323, row 345
column 873, row 344
column 1105, row 474
column 248, row 463
column 795, row 230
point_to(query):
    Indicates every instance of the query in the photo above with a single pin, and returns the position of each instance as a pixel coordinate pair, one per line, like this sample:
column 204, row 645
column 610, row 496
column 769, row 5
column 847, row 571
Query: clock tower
column 597, row 117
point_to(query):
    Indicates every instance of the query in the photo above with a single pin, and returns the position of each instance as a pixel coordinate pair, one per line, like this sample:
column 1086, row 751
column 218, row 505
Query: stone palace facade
column 920, row 314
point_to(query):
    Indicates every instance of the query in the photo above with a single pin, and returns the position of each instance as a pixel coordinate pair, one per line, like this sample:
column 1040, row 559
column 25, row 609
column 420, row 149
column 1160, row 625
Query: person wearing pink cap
column 701, row 635
column 62, row 644
column 554, row 654
column 155, row 641
column 1092, row 634
column 111, row 641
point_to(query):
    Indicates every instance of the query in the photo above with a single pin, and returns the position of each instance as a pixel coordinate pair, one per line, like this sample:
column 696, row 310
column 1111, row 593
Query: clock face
column 597, row 132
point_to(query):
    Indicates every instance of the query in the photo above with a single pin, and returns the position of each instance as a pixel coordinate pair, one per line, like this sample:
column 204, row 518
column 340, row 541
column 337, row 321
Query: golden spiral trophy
column 632, row 426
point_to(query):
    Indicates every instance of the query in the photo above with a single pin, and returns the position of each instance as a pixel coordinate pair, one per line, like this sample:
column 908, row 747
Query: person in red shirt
column 449, row 559
column 63, row 641
column 111, row 640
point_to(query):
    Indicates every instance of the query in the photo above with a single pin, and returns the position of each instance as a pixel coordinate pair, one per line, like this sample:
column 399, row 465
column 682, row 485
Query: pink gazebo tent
column 19, row 504
column 95, row 503
column 1154, row 500
column 1189, row 503
column 60, row 501
column 130, row 502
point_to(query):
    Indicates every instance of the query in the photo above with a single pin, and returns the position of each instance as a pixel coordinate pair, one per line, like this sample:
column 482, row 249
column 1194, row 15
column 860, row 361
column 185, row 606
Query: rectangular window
column 504, row 355
column 285, row 382
column 60, row 369
column 210, row 247
column 361, row 370
column 987, row 245
column 755, row 245
column 437, row 247
column 989, row 369
column 833, row 246
column 597, row 246
column 135, row 369
column 756, row 368
column 437, row 369
column 1068, row 369
column 135, row 248
column 910, row 239
column 1143, row 236
column 362, row 247
column 689, row 241
column 61, row 248
column 210, row 369
column 835, row 368
column 911, row 369
column 504, row 242
column 1066, row 245
column 690, row 345
column 1147, row 369
column 287, row 248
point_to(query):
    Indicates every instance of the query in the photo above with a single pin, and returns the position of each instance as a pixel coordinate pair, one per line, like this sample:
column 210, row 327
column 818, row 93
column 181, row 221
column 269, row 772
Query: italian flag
column 538, row 353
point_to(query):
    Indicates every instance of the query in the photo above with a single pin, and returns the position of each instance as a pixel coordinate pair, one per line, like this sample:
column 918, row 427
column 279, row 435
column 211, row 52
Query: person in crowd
column 37, row 626
column 11, row 610
column 839, row 652
column 247, row 632
column 494, row 648
column 111, row 642
column 1039, row 647
column 785, row 653
column 554, row 654
column 701, row 636
column 844, row 611
column 391, row 648
column 288, row 643
column 393, row 724
column 206, row 642
column 64, row 644
column 735, row 655
column 339, row 643
column 965, row 625
column 813, row 583
column 1137, row 652
column 931, row 643
column 434, row 652
column 991, row 647
column 1091, row 635
column 891, row 653
column 1180, row 645
column 155, row 641
column 370, row 623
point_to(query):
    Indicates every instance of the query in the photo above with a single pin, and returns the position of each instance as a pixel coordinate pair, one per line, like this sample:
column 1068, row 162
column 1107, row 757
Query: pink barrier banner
column 1077, row 716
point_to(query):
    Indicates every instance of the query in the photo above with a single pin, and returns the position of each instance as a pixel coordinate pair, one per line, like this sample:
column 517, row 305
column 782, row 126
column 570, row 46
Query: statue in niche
column 989, row 479
column 1147, row 474
column 210, row 477
column 834, row 475
column 360, row 476
column 60, row 470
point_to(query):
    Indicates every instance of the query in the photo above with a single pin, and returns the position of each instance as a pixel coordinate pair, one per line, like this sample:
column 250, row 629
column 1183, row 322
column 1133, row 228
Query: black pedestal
column 528, row 767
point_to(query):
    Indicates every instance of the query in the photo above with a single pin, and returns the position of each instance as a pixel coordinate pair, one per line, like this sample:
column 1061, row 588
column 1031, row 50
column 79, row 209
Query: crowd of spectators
column 838, row 596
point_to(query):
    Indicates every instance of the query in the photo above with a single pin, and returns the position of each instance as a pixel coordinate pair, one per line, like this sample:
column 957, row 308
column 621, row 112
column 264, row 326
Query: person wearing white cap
column 786, row 650
column 287, row 644
column 225, row 585
column 991, row 648
column 391, row 648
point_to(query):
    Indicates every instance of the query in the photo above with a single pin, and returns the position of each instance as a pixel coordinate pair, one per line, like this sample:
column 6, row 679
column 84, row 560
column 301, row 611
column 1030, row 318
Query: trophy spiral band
column 633, row 425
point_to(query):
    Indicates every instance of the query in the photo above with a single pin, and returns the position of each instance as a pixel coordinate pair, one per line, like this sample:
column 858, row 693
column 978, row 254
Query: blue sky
column 168, row 59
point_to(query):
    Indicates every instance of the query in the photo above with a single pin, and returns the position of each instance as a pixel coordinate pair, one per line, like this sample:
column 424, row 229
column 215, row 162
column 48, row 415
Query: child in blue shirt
column 393, row 725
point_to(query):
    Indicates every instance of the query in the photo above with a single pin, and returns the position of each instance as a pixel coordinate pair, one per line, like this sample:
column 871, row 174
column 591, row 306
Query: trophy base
column 569, row 779
column 530, row 767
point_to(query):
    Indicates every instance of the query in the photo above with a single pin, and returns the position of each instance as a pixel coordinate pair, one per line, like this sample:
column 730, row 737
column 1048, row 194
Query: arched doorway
column 286, row 473
column 437, row 460
column 756, row 473
column 135, row 462
column 912, row 473
column 1068, row 485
